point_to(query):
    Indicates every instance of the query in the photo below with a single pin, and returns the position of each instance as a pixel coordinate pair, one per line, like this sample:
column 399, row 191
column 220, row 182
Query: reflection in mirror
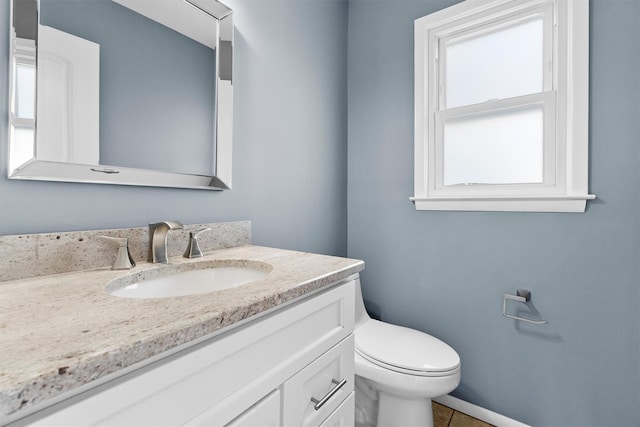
column 132, row 92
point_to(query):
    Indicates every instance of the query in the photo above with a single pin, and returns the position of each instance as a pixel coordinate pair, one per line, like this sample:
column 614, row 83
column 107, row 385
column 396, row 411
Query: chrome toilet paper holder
column 522, row 295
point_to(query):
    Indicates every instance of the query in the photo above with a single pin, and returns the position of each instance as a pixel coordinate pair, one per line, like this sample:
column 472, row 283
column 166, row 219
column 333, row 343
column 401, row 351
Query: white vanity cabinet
column 262, row 373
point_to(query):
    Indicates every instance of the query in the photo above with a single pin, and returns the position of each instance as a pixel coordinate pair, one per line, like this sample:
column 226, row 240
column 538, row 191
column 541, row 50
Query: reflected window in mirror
column 501, row 106
column 22, row 121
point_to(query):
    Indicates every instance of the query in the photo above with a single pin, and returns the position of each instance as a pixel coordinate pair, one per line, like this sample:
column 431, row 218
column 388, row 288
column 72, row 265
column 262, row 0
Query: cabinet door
column 317, row 390
column 265, row 413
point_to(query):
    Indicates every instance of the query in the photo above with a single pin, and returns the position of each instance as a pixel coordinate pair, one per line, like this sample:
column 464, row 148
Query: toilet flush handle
column 338, row 385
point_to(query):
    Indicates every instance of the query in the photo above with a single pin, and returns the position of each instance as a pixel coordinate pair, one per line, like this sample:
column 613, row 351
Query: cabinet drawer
column 317, row 390
column 344, row 415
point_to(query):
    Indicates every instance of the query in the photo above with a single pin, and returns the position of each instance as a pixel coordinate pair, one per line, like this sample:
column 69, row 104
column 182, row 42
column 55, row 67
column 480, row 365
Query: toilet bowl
column 398, row 371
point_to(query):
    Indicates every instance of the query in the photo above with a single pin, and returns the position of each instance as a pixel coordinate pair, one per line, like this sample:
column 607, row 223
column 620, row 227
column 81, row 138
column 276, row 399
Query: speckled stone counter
column 62, row 331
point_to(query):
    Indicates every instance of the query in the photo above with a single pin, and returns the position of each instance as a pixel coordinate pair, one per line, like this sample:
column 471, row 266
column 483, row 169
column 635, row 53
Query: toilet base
column 366, row 404
column 396, row 411
column 379, row 409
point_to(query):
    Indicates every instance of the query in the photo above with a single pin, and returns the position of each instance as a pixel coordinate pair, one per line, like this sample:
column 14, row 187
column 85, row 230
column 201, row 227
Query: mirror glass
column 134, row 92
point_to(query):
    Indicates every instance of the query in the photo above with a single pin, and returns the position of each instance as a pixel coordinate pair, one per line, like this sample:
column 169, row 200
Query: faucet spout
column 158, row 240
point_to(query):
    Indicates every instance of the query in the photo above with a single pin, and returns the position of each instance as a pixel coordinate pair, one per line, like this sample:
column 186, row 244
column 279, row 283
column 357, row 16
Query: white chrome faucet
column 158, row 240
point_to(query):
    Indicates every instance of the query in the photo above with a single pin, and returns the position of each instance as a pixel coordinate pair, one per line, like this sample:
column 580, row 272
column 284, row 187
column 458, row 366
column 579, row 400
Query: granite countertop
column 62, row 331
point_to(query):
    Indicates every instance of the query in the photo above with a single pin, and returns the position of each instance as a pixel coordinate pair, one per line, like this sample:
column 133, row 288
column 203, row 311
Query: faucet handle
column 193, row 248
column 123, row 261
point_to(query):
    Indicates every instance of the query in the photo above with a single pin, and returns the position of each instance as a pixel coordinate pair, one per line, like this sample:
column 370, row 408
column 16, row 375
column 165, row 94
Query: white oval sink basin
column 188, row 279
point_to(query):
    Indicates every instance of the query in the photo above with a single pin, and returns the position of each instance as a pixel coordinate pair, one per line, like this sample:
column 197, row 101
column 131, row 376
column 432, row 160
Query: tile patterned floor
column 444, row 416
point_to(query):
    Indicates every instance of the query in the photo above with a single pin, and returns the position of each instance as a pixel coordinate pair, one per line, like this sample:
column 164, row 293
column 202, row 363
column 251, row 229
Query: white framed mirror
column 130, row 92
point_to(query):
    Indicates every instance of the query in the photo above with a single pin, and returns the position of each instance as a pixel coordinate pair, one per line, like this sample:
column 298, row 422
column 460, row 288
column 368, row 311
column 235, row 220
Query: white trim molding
column 506, row 204
column 563, row 100
column 478, row 412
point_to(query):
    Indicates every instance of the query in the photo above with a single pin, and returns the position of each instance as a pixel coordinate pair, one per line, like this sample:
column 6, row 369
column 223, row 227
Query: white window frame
column 564, row 99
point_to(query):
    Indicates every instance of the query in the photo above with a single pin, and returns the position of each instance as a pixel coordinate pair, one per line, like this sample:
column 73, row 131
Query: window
column 22, row 119
column 501, row 106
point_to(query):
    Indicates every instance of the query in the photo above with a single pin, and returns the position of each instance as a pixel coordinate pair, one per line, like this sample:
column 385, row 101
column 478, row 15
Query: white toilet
column 398, row 371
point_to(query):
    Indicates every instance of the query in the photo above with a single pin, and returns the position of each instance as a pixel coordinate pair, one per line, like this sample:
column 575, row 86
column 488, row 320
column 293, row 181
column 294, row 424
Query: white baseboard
column 477, row 412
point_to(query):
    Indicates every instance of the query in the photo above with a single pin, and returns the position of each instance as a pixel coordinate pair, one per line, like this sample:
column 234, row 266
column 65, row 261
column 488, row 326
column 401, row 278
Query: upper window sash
column 23, row 80
column 490, row 25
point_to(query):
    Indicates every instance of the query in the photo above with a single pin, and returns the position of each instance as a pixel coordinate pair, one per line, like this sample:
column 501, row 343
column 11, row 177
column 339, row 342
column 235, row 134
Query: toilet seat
column 405, row 350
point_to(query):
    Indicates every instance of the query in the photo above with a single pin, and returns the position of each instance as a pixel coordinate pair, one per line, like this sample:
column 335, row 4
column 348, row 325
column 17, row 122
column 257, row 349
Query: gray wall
column 290, row 126
column 446, row 272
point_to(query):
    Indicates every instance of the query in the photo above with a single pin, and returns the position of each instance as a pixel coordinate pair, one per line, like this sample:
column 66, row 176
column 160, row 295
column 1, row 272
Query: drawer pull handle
column 320, row 403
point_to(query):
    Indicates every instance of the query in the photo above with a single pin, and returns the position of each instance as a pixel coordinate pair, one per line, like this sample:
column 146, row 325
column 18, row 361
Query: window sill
column 507, row 204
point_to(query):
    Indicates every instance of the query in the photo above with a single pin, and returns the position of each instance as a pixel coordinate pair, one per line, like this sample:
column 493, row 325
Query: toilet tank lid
column 404, row 347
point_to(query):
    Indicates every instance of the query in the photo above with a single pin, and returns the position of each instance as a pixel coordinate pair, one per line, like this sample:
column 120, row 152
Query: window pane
column 25, row 91
column 21, row 146
column 500, row 64
column 504, row 147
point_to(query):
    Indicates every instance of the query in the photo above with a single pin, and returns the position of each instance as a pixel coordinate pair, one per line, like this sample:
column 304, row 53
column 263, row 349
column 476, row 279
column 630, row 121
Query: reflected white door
column 68, row 126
